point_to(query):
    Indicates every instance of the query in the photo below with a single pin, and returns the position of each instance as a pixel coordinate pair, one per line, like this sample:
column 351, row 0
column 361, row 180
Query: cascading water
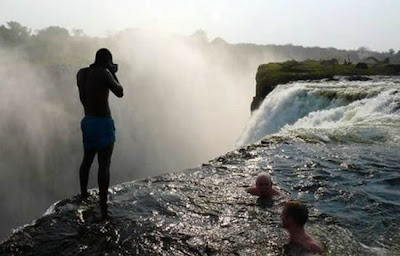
column 338, row 110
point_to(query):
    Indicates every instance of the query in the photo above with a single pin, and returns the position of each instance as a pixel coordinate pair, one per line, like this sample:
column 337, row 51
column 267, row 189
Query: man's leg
column 84, row 170
column 104, row 159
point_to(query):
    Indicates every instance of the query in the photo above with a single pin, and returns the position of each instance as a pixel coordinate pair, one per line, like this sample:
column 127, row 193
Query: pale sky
column 343, row 24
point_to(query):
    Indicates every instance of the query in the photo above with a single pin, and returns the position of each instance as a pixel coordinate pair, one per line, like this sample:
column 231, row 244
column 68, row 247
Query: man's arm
column 253, row 191
column 113, row 84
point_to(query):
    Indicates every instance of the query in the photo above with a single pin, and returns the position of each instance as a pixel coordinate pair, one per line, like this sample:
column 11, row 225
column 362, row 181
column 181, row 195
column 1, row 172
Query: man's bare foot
column 84, row 195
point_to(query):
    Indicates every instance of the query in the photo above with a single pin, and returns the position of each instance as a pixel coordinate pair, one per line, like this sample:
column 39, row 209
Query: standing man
column 98, row 131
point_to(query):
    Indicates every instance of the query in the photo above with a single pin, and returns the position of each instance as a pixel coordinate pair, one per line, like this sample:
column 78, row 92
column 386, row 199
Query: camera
column 113, row 68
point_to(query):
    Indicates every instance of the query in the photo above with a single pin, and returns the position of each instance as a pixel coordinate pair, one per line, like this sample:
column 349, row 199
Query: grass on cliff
column 279, row 73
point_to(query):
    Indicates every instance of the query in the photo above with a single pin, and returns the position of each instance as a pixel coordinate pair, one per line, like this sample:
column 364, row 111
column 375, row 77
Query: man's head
column 103, row 57
column 264, row 182
column 294, row 213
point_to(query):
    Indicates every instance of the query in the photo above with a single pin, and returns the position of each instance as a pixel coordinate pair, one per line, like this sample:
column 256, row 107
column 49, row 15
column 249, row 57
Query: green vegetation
column 49, row 46
column 278, row 73
column 54, row 45
column 272, row 74
column 56, row 49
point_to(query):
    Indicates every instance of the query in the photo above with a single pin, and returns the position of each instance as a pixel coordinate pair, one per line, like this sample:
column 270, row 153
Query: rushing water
column 330, row 111
column 334, row 145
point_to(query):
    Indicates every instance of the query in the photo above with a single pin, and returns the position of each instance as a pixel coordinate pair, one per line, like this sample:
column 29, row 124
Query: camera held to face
column 113, row 68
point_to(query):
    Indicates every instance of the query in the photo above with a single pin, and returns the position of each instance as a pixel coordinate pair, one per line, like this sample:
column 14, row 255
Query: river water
column 331, row 144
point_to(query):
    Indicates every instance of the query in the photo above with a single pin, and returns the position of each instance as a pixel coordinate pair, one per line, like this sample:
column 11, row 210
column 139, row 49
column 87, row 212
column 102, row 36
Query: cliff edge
column 270, row 75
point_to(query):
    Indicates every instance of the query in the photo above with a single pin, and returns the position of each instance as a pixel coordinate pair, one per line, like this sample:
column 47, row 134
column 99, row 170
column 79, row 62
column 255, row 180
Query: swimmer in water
column 263, row 187
column 294, row 216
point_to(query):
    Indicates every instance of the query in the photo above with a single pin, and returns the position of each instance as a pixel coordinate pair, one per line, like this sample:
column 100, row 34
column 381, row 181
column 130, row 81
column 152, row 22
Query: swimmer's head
column 294, row 213
column 263, row 181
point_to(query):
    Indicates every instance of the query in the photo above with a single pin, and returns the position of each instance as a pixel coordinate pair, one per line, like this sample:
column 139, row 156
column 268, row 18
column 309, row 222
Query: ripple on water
column 351, row 192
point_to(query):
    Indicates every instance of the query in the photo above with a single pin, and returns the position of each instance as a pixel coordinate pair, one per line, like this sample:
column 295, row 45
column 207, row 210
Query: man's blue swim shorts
column 97, row 131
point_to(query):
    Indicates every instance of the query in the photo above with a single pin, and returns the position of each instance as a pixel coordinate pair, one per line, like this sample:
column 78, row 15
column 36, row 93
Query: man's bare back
column 305, row 240
column 94, row 86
